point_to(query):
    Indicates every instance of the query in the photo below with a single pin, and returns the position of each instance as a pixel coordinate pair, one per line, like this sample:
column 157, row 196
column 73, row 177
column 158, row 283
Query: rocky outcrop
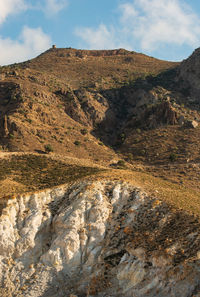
column 70, row 52
column 97, row 239
column 188, row 77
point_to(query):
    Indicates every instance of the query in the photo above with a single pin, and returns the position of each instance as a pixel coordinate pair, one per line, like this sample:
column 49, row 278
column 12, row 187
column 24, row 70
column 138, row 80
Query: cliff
column 95, row 239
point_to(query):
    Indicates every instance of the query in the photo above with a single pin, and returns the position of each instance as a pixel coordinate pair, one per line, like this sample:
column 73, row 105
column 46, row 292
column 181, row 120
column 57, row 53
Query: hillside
column 103, row 144
column 103, row 106
column 54, row 97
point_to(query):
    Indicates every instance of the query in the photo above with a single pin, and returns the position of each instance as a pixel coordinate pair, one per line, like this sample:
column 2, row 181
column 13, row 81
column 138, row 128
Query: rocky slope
column 100, row 238
column 122, row 119
column 92, row 95
column 78, row 101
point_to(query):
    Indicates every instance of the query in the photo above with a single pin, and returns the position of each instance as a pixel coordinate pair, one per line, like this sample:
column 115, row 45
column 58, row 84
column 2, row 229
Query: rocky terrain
column 99, row 175
column 97, row 238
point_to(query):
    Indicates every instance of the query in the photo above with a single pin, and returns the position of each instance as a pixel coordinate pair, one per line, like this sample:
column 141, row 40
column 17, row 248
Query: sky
column 164, row 29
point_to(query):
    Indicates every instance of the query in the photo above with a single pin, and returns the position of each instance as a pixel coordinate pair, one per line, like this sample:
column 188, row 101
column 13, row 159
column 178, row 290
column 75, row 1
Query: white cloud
column 31, row 43
column 147, row 25
column 8, row 7
column 99, row 38
column 155, row 22
column 49, row 7
column 55, row 6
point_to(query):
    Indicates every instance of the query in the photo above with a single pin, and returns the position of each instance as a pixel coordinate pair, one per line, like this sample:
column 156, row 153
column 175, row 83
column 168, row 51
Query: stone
column 198, row 255
column 192, row 124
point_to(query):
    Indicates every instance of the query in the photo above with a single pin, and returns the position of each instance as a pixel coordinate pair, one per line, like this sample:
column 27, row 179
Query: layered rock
column 96, row 239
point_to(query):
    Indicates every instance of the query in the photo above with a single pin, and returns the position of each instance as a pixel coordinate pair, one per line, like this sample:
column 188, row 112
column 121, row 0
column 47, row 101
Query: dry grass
column 101, row 68
column 178, row 196
column 181, row 141
column 25, row 173
column 22, row 172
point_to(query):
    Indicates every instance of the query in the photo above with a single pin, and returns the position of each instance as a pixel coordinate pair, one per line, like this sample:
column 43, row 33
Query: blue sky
column 165, row 29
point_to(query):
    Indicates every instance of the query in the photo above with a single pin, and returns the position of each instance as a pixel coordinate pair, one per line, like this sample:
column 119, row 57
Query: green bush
column 130, row 156
column 29, row 121
column 84, row 131
column 173, row 157
column 138, row 130
column 77, row 142
column 121, row 163
column 48, row 148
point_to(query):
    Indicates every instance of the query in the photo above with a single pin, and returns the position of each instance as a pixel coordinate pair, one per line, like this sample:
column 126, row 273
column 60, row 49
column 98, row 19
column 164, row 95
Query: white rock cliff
column 100, row 238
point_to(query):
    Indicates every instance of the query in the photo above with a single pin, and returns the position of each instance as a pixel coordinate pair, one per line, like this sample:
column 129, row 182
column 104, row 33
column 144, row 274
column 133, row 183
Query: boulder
column 192, row 124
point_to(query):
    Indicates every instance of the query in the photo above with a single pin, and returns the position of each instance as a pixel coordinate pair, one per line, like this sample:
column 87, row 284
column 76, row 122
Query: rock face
column 100, row 238
column 189, row 74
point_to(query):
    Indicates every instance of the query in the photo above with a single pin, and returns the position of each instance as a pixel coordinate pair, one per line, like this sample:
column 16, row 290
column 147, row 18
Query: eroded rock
column 97, row 239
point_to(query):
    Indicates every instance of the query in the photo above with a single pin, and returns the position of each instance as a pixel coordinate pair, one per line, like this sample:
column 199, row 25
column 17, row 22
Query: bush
column 173, row 157
column 29, row 121
column 48, row 148
column 130, row 156
column 121, row 163
column 77, row 142
column 138, row 130
column 84, row 131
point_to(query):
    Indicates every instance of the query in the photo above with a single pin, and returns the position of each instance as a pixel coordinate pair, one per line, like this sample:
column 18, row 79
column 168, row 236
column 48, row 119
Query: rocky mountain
column 65, row 94
column 99, row 175
column 66, row 89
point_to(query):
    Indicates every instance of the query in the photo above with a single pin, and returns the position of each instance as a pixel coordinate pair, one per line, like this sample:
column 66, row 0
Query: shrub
column 84, row 131
column 29, row 121
column 130, row 156
column 77, row 142
column 121, row 163
column 173, row 157
column 138, row 130
column 48, row 148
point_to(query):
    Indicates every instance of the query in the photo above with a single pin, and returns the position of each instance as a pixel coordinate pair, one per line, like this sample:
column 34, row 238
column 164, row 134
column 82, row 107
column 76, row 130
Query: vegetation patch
column 40, row 172
column 48, row 148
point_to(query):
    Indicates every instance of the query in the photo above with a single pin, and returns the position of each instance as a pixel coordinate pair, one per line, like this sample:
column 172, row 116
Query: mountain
column 99, row 175
column 42, row 99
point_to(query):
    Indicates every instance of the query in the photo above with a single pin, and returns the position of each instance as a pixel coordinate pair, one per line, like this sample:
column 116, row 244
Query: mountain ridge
column 102, row 106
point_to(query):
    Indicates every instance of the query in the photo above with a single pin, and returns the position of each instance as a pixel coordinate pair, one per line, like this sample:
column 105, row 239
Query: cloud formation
column 103, row 37
column 152, row 22
column 49, row 7
column 149, row 24
column 31, row 42
column 99, row 38
column 54, row 6
column 8, row 7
